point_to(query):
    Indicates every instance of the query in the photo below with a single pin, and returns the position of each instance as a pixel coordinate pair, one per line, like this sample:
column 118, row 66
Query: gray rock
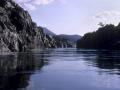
column 17, row 30
column 62, row 42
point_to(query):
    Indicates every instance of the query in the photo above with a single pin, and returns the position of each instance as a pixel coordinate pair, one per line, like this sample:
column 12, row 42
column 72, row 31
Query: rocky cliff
column 17, row 30
column 62, row 42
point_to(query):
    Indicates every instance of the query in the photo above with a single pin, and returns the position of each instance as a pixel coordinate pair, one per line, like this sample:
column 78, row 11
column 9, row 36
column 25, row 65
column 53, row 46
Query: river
column 60, row 69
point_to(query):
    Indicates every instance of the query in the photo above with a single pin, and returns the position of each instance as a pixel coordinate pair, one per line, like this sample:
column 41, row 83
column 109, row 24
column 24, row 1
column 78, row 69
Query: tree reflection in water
column 108, row 61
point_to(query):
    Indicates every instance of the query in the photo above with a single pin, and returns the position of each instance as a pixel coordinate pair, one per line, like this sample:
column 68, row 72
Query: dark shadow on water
column 15, row 70
column 106, row 60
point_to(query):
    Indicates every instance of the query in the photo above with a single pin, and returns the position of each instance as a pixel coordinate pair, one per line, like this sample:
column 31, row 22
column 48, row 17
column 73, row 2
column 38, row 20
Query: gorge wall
column 17, row 30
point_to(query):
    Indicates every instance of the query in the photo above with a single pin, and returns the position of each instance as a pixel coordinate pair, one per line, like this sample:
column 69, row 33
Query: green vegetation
column 106, row 37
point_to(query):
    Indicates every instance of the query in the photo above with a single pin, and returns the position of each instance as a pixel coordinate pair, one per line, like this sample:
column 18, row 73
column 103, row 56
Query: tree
column 106, row 37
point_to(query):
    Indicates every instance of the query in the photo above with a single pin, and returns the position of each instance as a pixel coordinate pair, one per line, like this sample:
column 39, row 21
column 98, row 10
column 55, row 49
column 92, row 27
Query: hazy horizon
column 72, row 16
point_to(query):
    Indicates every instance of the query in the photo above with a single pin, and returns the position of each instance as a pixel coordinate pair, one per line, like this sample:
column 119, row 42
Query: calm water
column 60, row 69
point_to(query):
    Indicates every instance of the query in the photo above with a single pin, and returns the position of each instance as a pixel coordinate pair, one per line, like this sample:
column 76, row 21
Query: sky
column 72, row 16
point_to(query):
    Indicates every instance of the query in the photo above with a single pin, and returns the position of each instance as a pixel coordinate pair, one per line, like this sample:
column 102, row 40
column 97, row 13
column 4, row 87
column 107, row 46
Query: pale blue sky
column 73, row 16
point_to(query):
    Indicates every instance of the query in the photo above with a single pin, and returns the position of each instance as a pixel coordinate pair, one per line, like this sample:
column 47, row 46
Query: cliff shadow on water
column 16, row 69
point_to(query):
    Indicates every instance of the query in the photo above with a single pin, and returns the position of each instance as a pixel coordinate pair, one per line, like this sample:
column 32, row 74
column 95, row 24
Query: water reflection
column 106, row 60
column 16, row 69
column 66, row 69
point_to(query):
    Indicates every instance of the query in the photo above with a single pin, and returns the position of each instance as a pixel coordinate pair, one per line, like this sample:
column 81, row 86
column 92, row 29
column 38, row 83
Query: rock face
column 62, row 42
column 48, row 32
column 66, row 41
column 17, row 30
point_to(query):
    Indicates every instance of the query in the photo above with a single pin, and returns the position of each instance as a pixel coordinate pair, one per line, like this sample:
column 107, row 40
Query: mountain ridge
column 73, row 37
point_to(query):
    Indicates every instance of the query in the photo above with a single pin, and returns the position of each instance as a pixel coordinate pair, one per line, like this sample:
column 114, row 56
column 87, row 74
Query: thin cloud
column 32, row 4
column 108, row 17
column 106, row 14
column 29, row 6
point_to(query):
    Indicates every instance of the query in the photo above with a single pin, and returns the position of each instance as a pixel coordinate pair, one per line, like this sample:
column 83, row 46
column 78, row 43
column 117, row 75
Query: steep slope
column 17, row 30
column 48, row 32
column 62, row 42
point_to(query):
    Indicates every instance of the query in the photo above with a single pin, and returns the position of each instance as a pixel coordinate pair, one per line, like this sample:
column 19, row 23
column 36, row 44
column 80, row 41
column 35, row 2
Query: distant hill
column 66, row 40
column 48, row 32
column 63, row 40
column 72, row 38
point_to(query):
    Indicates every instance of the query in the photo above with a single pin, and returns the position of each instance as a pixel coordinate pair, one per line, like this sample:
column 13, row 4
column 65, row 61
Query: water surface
column 60, row 69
